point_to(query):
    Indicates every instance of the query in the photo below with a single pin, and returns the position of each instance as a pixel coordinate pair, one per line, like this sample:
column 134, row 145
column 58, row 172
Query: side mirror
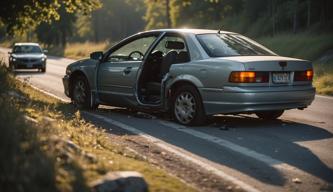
column 45, row 51
column 98, row 55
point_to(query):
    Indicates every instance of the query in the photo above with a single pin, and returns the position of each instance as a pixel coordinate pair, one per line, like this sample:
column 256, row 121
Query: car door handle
column 127, row 70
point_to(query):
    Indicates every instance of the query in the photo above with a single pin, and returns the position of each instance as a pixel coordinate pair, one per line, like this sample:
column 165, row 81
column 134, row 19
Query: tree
column 58, row 31
column 20, row 15
column 117, row 19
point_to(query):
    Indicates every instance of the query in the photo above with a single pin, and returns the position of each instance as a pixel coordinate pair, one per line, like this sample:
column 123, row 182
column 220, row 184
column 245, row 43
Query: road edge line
column 173, row 149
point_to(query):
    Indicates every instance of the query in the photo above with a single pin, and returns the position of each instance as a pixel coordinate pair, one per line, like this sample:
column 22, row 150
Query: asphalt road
column 293, row 154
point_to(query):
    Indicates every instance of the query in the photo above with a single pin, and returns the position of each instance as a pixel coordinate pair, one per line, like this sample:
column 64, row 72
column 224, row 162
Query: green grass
column 304, row 45
column 33, row 159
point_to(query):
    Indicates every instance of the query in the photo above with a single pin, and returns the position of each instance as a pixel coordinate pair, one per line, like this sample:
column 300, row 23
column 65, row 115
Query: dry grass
column 82, row 50
column 78, row 50
column 47, row 164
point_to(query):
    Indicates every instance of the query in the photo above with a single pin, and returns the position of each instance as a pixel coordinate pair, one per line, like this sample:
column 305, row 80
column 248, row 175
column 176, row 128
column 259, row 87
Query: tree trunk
column 295, row 23
column 323, row 12
column 168, row 19
column 64, row 38
column 273, row 17
column 309, row 13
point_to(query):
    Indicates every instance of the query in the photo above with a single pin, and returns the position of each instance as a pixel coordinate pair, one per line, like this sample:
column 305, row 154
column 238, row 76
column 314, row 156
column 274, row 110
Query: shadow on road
column 276, row 139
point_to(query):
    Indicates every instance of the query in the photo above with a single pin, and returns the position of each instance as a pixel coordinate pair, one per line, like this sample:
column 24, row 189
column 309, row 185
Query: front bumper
column 65, row 81
column 251, row 99
column 28, row 65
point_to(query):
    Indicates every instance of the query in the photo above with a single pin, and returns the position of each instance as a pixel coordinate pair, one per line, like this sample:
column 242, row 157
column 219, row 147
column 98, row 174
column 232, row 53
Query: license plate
column 281, row 77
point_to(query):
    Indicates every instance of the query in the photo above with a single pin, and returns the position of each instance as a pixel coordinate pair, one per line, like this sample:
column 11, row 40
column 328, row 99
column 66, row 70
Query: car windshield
column 226, row 45
column 27, row 49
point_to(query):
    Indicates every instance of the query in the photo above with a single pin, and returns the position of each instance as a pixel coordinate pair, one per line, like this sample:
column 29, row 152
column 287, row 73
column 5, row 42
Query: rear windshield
column 226, row 45
column 27, row 49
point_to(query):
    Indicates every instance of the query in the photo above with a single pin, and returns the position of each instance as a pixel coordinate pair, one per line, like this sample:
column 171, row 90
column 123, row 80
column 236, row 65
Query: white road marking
column 45, row 92
column 325, row 97
column 234, row 147
column 177, row 151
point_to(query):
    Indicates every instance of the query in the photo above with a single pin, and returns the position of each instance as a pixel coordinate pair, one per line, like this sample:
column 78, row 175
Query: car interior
column 170, row 50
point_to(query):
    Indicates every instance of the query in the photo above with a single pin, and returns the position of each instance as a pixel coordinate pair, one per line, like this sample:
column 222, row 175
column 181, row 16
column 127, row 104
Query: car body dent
column 87, row 67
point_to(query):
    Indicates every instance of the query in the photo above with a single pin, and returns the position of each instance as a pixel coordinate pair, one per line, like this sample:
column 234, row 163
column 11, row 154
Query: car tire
column 269, row 115
column 81, row 94
column 187, row 107
column 43, row 70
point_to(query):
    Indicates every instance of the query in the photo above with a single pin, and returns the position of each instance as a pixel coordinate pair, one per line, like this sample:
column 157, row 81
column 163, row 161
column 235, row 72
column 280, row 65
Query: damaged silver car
column 191, row 73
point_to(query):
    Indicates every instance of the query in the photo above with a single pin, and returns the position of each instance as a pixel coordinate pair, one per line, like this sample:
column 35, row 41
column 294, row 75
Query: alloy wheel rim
column 185, row 107
column 79, row 92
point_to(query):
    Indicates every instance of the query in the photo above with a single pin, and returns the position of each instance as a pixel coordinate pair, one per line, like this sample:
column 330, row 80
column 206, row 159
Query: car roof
column 20, row 44
column 191, row 31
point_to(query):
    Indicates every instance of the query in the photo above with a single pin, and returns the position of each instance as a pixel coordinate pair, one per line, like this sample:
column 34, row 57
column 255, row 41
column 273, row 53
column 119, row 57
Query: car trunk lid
column 280, row 70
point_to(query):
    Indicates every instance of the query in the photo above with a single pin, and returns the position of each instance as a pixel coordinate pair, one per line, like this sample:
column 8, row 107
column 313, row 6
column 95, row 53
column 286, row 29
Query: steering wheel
column 136, row 58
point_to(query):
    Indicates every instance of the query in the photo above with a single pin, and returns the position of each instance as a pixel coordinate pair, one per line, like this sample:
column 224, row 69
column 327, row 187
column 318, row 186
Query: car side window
column 132, row 51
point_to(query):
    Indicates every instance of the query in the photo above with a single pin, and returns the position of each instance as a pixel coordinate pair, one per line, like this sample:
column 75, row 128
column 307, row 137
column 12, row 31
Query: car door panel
column 116, row 81
column 117, row 75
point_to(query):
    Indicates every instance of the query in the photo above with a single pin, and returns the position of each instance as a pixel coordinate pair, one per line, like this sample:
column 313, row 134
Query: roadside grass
column 72, row 50
column 61, row 152
column 78, row 50
column 304, row 45
column 316, row 48
column 323, row 79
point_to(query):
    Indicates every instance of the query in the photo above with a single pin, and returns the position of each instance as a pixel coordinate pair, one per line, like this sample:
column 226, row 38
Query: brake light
column 248, row 77
column 303, row 75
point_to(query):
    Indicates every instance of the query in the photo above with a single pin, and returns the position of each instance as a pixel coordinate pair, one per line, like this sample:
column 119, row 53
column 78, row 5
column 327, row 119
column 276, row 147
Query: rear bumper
column 65, row 81
column 251, row 99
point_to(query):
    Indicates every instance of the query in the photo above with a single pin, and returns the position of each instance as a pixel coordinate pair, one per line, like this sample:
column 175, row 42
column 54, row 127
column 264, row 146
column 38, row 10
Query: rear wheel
column 270, row 115
column 81, row 94
column 187, row 106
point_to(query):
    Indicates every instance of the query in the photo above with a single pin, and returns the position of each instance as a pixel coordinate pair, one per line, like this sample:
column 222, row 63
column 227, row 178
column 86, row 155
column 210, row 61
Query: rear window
column 226, row 45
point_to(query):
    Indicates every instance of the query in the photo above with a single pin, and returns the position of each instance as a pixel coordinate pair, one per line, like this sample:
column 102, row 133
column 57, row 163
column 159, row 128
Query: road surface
column 293, row 154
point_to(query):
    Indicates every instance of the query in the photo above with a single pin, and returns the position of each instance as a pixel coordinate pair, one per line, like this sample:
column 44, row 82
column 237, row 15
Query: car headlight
column 12, row 59
column 68, row 71
column 43, row 59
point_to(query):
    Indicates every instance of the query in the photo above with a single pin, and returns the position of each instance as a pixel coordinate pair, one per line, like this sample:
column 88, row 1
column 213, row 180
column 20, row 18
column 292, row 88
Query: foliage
column 262, row 18
column 20, row 15
column 116, row 19
column 188, row 13
column 57, row 32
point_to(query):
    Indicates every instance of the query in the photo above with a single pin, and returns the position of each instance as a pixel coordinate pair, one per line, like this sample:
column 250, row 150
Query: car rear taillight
column 303, row 75
column 248, row 77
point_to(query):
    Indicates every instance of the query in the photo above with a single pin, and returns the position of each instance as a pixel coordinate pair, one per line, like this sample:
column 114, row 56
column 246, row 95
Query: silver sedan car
column 192, row 74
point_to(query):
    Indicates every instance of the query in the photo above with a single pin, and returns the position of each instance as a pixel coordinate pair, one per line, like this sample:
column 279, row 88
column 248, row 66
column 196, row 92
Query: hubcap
column 185, row 107
column 79, row 92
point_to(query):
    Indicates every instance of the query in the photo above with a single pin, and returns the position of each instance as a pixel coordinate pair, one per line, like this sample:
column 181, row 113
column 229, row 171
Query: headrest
column 174, row 45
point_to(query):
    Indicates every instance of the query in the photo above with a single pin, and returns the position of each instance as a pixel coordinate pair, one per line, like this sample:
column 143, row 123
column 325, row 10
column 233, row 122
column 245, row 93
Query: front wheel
column 269, row 115
column 81, row 94
column 187, row 106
